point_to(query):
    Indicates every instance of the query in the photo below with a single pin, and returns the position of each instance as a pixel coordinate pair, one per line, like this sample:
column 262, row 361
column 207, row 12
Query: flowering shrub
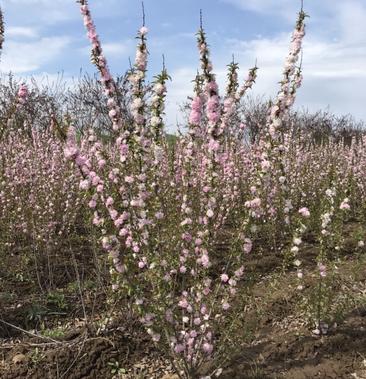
column 40, row 204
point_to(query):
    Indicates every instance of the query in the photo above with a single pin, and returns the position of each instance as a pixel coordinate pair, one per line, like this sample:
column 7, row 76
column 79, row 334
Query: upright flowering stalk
column 158, row 104
column 137, row 79
column 296, row 245
column 273, row 141
column 248, row 83
column 229, row 102
column 326, row 263
column 2, row 30
column 211, row 158
column 295, row 83
column 232, row 76
column 286, row 95
column 100, row 62
column 234, row 94
column 211, row 93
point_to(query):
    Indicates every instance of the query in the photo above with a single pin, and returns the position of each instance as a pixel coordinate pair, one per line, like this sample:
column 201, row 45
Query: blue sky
column 46, row 37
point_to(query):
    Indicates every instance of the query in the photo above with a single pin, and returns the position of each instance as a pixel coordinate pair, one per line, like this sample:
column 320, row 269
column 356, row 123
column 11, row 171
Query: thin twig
column 163, row 62
column 76, row 358
column 30, row 333
column 143, row 13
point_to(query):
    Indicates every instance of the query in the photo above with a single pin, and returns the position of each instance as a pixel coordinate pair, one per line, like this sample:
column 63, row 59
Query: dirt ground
column 280, row 343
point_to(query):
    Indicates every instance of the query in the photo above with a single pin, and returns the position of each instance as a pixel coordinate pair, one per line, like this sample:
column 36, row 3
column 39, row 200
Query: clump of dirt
column 303, row 356
column 126, row 351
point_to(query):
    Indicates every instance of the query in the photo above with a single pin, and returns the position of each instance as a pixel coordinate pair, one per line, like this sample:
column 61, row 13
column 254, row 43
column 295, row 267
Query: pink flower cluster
column 196, row 111
column 22, row 94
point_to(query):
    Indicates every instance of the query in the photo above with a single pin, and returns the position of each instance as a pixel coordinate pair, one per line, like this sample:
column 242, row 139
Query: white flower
column 218, row 372
column 159, row 88
column 155, row 100
column 144, row 30
column 210, row 213
column 136, row 104
column 155, row 121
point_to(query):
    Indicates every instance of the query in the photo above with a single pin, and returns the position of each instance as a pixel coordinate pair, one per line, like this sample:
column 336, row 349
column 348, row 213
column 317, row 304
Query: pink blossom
column 143, row 30
column 183, row 303
column 239, row 272
column 248, row 245
column 194, row 118
column 205, row 260
column 22, row 94
column 109, row 202
column 207, row 348
column 179, row 348
column 255, row 203
column 322, row 269
column 345, row 205
column 224, row 278
column 159, row 215
column 85, row 184
column 225, row 306
column 197, row 321
column 304, row 212
column 92, row 203
column 213, row 145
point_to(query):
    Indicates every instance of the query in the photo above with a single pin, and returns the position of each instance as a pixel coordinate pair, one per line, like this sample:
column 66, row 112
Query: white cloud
column 179, row 88
column 53, row 12
column 262, row 5
column 113, row 49
column 20, row 31
column 334, row 50
column 351, row 16
column 23, row 57
column 116, row 48
column 45, row 11
column 284, row 8
column 333, row 65
column 334, row 72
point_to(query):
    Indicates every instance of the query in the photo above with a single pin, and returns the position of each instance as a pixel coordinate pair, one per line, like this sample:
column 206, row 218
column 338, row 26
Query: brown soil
column 78, row 355
column 283, row 354
column 280, row 343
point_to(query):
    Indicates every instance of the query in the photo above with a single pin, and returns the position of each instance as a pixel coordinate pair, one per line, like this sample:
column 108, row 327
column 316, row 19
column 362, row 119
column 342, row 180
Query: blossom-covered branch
column 100, row 62
column 286, row 95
